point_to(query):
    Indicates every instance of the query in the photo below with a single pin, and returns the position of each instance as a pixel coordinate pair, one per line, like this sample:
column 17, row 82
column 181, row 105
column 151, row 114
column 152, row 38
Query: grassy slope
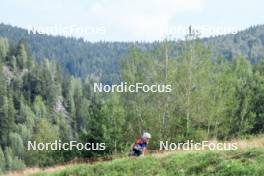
column 243, row 162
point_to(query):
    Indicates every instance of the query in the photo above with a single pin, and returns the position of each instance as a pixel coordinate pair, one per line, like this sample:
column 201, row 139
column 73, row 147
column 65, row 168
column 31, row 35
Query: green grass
column 205, row 163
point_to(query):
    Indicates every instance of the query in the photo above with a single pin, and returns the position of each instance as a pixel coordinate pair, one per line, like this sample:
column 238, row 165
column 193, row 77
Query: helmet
column 146, row 135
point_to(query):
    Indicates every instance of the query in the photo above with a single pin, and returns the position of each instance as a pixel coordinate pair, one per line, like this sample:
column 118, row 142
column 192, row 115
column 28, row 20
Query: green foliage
column 4, row 48
column 7, row 123
column 258, row 100
column 12, row 162
column 244, row 93
column 9, row 158
column 115, row 121
column 100, row 59
column 210, row 98
column 16, row 143
column 45, row 133
column 22, row 57
column 197, row 163
column 2, row 161
column 18, row 163
column 40, row 108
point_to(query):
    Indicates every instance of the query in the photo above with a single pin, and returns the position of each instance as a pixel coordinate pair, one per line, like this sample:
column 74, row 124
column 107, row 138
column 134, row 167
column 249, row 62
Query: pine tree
column 114, row 114
column 16, row 144
column 4, row 48
column 22, row 56
column 8, row 158
column 40, row 108
column 6, row 124
column 2, row 161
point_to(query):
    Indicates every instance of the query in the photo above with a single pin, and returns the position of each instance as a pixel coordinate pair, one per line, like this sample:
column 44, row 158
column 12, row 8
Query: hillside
column 243, row 162
column 247, row 160
column 100, row 59
column 248, row 43
column 137, row 88
column 75, row 56
column 223, row 100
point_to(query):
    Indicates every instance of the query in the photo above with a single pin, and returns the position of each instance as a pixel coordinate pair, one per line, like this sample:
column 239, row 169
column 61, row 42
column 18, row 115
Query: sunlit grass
column 242, row 162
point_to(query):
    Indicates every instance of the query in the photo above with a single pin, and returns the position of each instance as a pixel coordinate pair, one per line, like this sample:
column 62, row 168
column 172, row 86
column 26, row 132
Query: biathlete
column 139, row 148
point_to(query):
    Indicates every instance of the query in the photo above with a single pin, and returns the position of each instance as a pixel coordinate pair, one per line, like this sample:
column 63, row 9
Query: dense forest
column 220, row 98
column 100, row 59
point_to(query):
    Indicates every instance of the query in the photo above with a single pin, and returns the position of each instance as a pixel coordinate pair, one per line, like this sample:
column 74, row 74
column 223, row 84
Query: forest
column 101, row 59
column 212, row 97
